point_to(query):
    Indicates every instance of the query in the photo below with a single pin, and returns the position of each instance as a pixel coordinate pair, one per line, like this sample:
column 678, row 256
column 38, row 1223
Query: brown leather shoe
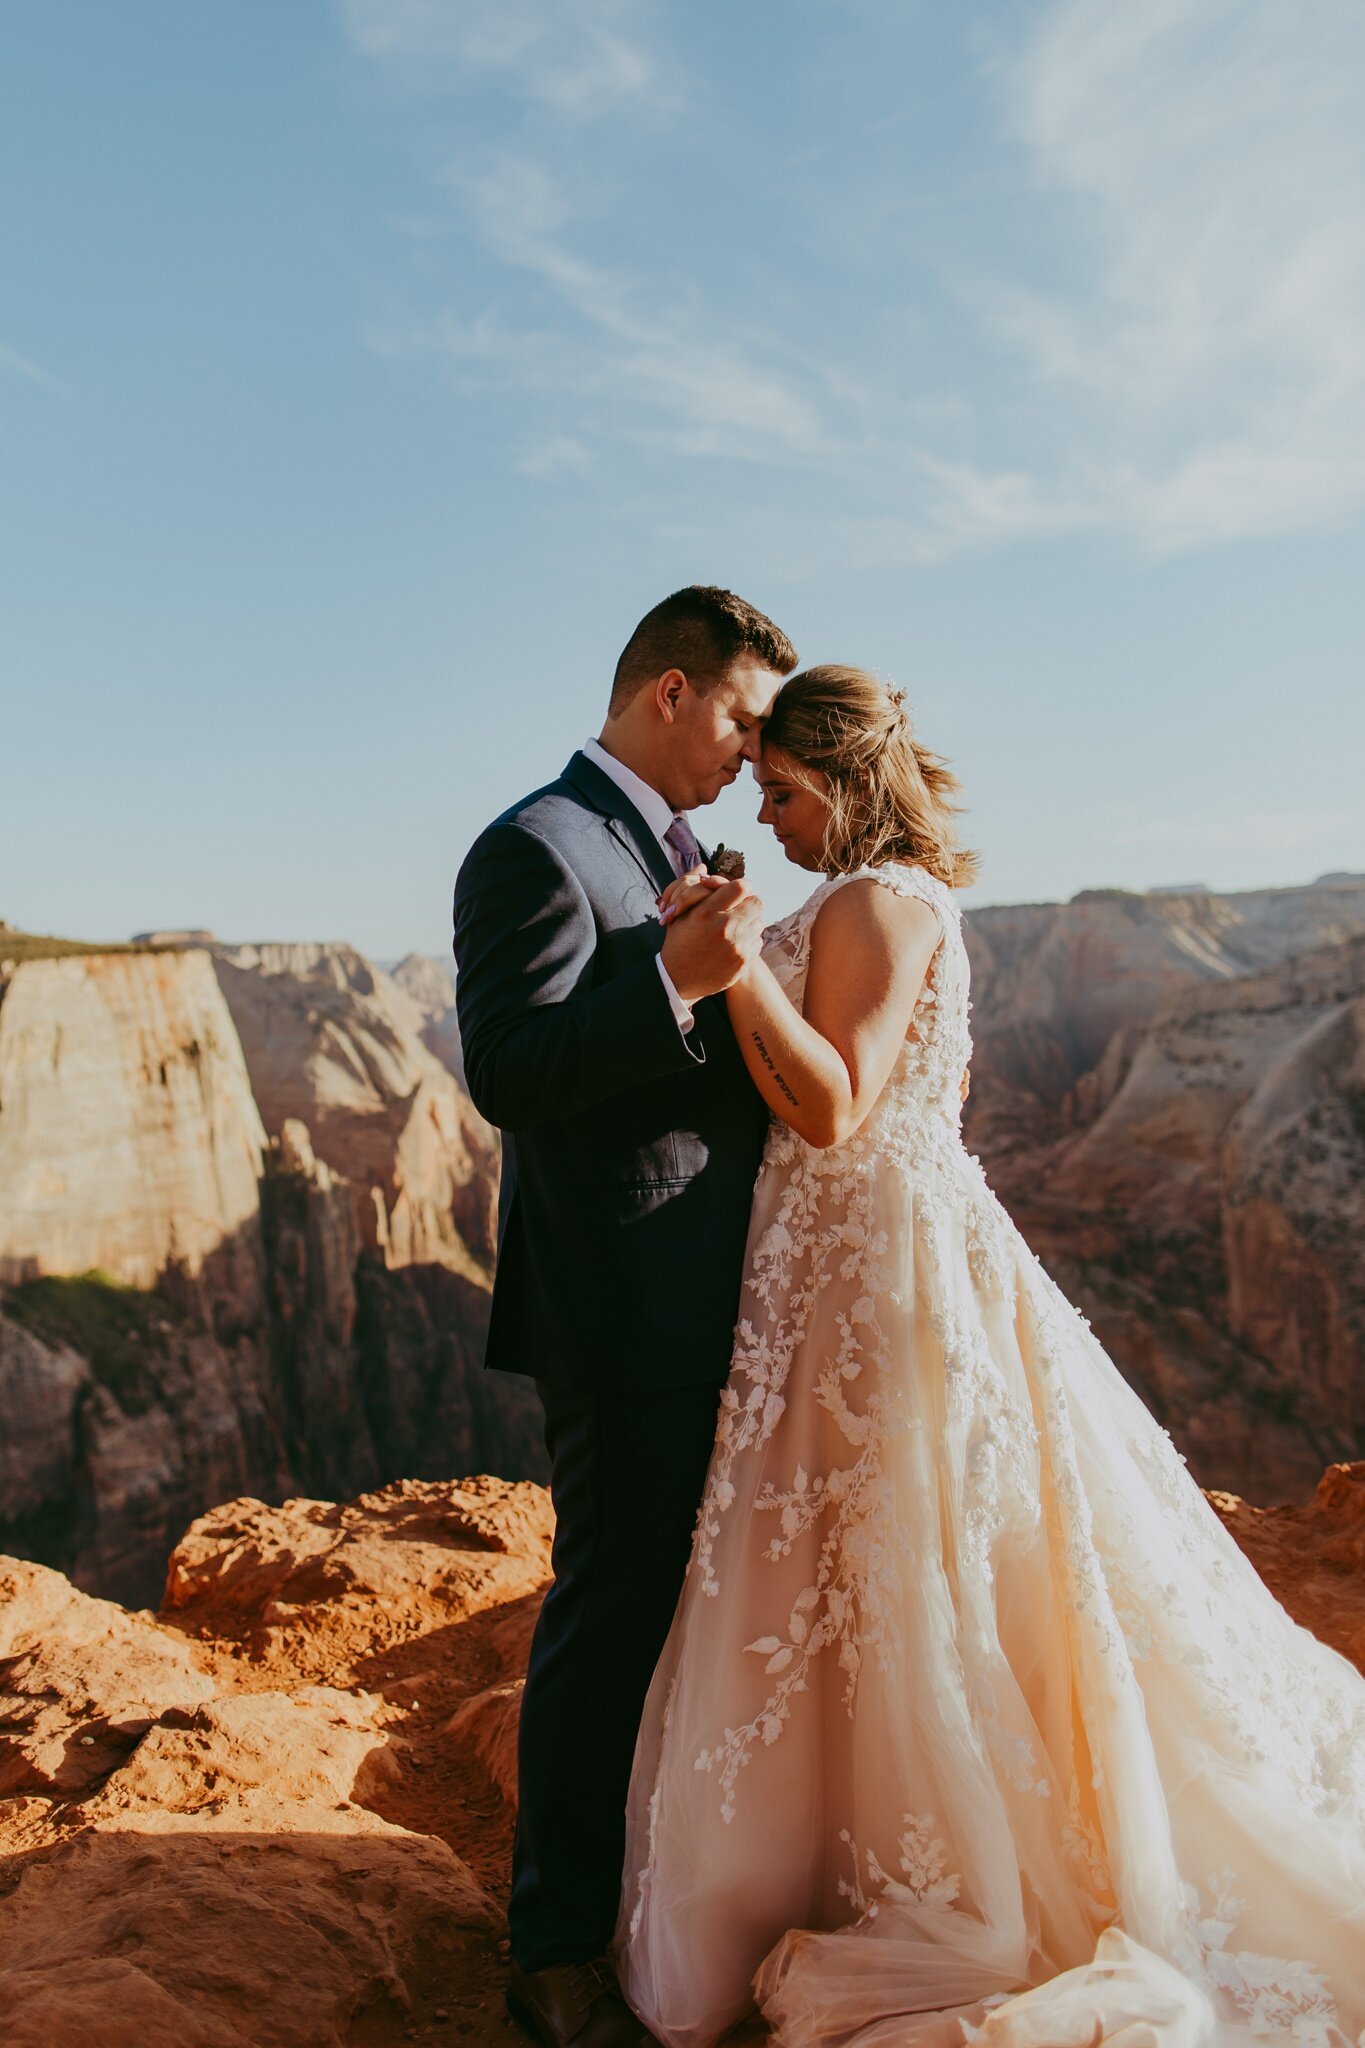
column 578, row 2002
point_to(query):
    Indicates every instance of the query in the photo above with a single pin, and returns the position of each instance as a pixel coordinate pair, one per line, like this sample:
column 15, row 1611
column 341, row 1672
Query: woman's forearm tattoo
column 766, row 1058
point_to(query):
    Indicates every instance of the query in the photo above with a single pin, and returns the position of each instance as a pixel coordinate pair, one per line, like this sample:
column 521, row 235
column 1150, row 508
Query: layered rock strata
column 1196, row 1184
column 129, row 1136
column 333, row 1041
column 202, row 1302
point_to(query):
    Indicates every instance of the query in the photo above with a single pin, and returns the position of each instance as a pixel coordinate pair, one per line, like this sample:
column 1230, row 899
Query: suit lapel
column 624, row 822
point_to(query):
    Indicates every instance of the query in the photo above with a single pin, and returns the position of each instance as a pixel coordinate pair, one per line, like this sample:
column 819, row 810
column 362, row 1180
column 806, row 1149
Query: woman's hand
column 686, row 893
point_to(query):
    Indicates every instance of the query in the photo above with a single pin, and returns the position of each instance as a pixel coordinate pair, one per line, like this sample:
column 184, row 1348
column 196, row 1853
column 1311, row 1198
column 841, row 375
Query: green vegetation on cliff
column 18, row 948
column 115, row 1328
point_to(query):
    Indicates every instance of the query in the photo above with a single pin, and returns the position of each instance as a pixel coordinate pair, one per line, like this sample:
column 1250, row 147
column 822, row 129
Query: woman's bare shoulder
column 872, row 905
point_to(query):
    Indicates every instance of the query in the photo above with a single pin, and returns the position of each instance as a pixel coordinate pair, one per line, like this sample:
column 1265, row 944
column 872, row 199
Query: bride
column 973, row 1724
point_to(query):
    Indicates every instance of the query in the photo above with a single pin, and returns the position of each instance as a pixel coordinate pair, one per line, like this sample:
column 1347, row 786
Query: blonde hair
column 889, row 798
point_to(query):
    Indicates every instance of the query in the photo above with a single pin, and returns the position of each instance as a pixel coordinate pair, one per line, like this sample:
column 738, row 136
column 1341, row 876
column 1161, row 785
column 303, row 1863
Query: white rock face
column 251, row 1346
column 431, row 985
column 1053, row 982
column 429, row 981
column 129, row 1138
column 336, row 1043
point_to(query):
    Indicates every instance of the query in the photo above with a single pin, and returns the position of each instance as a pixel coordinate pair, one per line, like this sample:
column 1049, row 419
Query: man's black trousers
column 626, row 1473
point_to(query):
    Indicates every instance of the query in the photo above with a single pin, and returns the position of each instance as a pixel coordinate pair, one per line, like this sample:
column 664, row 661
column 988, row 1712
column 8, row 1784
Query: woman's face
column 796, row 812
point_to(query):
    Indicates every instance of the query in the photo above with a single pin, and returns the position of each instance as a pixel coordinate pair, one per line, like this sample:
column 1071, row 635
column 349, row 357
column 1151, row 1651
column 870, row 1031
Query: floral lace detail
column 825, row 1232
column 926, row 1082
column 1279, row 1999
column 925, row 1879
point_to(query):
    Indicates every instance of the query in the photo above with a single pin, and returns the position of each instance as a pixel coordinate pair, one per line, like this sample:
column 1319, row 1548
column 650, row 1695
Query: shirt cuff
column 681, row 1010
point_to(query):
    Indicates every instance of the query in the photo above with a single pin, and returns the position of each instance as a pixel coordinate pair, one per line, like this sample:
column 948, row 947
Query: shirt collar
column 656, row 811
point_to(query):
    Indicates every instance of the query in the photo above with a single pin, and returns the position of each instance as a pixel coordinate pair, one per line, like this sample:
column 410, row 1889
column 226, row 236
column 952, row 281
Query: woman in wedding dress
column 974, row 1724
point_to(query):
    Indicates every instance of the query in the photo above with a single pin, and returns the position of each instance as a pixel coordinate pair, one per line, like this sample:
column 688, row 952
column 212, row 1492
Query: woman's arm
column 822, row 1072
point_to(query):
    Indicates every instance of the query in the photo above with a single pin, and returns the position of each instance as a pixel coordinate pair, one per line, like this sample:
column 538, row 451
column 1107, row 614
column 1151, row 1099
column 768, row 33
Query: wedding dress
column 974, row 1724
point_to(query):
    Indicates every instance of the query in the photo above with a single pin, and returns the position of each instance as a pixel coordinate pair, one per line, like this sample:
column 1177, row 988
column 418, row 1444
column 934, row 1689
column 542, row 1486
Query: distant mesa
column 1179, row 889
column 196, row 937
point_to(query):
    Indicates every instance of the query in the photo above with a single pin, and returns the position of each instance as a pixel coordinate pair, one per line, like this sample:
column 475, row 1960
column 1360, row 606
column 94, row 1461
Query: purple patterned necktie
column 683, row 840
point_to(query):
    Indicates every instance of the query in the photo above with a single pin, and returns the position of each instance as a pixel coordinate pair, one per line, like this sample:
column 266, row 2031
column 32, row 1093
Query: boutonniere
column 727, row 862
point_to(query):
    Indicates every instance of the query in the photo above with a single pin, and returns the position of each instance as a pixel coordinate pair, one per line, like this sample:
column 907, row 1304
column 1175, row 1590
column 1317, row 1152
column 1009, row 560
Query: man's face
column 714, row 735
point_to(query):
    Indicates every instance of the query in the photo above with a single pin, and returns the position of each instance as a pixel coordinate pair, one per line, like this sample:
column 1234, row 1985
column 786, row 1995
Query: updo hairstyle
column 889, row 798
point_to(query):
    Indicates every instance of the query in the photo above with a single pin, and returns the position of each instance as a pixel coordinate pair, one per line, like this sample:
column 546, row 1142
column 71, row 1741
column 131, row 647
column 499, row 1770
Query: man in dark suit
column 598, row 1041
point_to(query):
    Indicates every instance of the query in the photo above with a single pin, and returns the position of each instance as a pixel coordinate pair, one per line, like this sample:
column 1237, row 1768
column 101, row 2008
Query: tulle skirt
column 974, row 1724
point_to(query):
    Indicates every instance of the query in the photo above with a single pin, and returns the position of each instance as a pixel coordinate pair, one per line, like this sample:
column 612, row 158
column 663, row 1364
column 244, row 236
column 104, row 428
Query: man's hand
column 709, row 947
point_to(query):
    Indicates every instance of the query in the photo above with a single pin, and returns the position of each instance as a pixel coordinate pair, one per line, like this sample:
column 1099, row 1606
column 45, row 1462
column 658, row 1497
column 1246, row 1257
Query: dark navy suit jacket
column 630, row 1150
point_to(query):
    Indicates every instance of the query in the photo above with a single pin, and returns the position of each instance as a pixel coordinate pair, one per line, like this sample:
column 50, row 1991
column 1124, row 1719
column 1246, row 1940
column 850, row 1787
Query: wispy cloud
column 640, row 368
column 579, row 57
column 20, row 366
column 668, row 375
column 553, row 455
column 1207, row 160
column 1192, row 172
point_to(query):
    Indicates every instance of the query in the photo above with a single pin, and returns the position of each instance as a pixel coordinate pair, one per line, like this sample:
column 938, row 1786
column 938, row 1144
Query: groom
column 599, row 1042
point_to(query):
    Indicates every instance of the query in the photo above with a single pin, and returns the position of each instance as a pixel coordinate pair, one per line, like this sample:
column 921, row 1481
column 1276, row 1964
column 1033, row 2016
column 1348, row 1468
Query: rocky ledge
column 278, row 1812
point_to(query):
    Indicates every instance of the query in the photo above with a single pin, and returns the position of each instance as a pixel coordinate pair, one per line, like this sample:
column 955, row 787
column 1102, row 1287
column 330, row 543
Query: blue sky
column 368, row 366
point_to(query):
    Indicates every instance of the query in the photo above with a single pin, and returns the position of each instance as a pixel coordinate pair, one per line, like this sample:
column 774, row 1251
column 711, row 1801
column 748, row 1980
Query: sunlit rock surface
column 243, row 1821
column 129, row 1136
column 1168, row 1095
column 279, row 1812
column 197, row 1301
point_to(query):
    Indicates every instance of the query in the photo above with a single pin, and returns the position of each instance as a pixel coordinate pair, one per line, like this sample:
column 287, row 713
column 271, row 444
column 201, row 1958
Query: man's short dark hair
column 701, row 630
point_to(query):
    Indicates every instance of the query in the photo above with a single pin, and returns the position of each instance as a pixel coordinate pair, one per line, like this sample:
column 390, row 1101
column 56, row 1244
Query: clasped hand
column 715, row 929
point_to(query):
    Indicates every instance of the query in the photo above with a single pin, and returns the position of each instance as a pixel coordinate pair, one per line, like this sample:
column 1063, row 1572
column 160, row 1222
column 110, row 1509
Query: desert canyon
column 247, row 1222
column 260, row 1634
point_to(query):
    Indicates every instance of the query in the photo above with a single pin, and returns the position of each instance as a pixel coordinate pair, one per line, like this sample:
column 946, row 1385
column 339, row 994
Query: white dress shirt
column 658, row 815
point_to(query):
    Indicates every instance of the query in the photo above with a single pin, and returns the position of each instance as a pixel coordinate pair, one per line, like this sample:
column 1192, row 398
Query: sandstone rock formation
column 331, row 1040
column 197, row 1308
column 1053, row 982
column 1196, row 1182
column 242, row 1822
column 129, row 1139
column 1313, row 1557
column 278, row 1814
column 430, row 983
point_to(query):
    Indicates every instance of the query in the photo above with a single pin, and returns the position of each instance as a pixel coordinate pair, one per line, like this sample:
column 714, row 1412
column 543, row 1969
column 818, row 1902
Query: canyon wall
column 129, row 1137
column 332, row 1040
column 247, row 1209
column 1167, row 1093
column 246, row 1235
